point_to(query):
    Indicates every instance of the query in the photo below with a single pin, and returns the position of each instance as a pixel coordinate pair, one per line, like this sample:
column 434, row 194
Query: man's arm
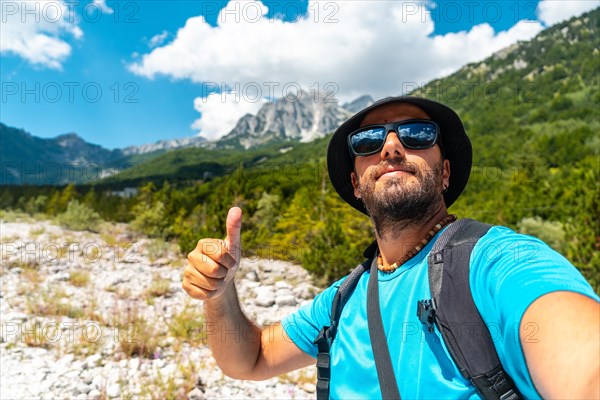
column 242, row 349
column 560, row 335
column 245, row 351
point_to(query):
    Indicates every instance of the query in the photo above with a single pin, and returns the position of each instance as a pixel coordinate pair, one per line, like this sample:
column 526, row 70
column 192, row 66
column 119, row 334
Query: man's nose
column 392, row 147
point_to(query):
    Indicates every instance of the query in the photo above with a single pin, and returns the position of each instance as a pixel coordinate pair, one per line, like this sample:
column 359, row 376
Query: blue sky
column 127, row 73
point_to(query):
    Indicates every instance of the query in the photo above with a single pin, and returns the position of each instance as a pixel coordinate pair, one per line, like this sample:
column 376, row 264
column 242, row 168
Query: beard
column 403, row 200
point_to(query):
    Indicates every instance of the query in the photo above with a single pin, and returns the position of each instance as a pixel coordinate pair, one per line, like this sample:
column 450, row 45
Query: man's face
column 399, row 181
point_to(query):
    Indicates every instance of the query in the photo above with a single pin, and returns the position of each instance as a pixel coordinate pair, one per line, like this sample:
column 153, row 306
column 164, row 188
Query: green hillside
column 532, row 112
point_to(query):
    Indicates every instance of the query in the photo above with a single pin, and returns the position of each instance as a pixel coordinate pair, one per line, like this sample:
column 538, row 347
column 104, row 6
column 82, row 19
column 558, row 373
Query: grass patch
column 14, row 216
column 159, row 287
column 38, row 335
column 29, row 271
column 52, row 302
column 300, row 377
column 188, row 326
column 34, row 233
column 173, row 386
column 137, row 335
column 84, row 345
column 90, row 310
column 108, row 238
column 79, row 278
column 158, row 248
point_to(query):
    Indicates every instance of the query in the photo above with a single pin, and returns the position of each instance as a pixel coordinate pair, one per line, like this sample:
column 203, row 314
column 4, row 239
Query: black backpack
column 451, row 306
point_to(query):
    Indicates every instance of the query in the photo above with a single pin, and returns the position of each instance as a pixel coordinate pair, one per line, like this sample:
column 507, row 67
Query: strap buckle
column 426, row 313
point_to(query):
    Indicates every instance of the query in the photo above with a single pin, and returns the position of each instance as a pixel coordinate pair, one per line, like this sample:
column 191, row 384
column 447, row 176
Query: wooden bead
column 437, row 227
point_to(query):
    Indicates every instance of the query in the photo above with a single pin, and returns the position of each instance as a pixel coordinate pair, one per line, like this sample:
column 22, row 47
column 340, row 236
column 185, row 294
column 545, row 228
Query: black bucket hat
column 457, row 149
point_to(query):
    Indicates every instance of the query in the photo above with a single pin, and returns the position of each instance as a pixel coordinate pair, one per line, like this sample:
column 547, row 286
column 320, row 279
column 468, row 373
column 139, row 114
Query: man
column 403, row 161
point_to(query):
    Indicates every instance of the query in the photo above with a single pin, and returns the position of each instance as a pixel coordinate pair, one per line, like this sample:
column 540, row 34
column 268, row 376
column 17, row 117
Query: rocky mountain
column 165, row 145
column 303, row 117
column 300, row 118
column 358, row 104
column 27, row 159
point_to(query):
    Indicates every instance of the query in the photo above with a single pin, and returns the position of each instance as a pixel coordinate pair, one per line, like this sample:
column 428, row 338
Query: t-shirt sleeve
column 304, row 325
column 509, row 271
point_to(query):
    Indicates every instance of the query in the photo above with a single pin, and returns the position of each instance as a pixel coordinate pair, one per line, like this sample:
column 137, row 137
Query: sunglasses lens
column 419, row 135
column 367, row 141
column 414, row 135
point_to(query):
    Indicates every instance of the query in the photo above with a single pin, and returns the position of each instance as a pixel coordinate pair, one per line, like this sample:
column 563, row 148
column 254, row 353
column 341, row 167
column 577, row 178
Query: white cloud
column 377, row 47
column 101, row 4
column 36, row 31
column 372, row 48
column 220, row 113
column 480, row 42
column 159, row 39
column 554, row 11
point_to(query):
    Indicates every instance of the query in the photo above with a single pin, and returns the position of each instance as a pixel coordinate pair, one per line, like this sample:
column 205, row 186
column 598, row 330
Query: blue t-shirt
column 508, row 272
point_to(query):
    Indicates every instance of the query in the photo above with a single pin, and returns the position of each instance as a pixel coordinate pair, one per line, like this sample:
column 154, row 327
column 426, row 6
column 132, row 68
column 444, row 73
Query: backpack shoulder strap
column 454, row 312
column 327, row 334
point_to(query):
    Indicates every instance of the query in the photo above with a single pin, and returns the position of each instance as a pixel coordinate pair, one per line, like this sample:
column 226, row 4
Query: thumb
column 233, row 226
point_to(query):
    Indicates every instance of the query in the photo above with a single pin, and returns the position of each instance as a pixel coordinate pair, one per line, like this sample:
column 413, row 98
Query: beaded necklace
column 438, row 227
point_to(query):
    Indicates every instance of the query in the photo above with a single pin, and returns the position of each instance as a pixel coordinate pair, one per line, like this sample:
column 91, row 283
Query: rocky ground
column 102, row 315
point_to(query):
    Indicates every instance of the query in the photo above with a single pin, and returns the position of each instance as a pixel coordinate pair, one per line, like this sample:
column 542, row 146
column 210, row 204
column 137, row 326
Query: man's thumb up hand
column 213, row 263
column 234, row 227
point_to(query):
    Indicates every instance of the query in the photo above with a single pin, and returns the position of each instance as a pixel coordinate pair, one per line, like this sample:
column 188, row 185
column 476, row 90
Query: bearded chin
column 399, row 205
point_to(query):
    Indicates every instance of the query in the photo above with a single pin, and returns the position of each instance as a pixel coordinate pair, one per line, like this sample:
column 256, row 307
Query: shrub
column 551, row 232
column 151, row 221
column 36, row 204
column 79, row 217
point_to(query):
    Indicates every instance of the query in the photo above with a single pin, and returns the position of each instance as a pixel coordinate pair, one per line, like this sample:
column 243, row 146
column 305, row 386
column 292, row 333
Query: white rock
column 72, row 375
column 87, row 377
column 265, row 297
column 98, row 381
column 195, row 394
column 308, row 387
column 92, row 361
column 61, row 276
column 82, row 388
column 285, row 300
column 162, row 261
column 252, row 276
column 134, row 364
column 113, row 390
column 67, row 359
column 168, row 370
column 16, row 316
column 282, row 285
column 94, row 394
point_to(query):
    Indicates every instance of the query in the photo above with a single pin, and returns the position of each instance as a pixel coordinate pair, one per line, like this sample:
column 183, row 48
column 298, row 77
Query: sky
column 124, row 73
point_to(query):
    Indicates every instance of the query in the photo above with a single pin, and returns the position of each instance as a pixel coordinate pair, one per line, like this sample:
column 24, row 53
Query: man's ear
column 354, row 179
column 446, row 174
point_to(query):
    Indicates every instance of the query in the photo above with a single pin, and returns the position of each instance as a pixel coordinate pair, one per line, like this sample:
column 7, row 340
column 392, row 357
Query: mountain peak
column 69, row 139
column 359, row 103
column 302, row 117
